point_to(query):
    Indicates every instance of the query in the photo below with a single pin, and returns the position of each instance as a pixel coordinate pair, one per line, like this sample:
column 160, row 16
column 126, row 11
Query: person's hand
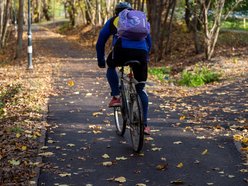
column 101, row 63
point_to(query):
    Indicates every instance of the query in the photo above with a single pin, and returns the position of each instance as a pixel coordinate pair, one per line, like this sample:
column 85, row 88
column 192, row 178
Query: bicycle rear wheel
column 136, row 122
column 121, row 113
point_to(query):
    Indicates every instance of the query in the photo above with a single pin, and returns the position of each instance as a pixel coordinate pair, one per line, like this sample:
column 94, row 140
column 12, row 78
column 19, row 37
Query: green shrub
column 161, row 73
column 198, row 77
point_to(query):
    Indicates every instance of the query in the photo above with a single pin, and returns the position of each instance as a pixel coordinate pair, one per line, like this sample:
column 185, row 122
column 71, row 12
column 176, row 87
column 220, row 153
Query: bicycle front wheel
column 136, row 122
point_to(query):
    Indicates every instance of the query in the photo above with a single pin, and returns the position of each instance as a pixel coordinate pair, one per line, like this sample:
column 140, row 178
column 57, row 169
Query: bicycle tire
column 121, row 113
column 136, row 121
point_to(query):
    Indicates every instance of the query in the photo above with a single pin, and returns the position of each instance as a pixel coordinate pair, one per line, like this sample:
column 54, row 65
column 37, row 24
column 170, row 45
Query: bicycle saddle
column 132, row 62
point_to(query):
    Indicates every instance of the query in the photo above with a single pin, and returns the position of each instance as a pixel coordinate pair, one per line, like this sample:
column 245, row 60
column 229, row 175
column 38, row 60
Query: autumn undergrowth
column 199, row 76
column 161, row 73
column 236, row 24
column 23, row 105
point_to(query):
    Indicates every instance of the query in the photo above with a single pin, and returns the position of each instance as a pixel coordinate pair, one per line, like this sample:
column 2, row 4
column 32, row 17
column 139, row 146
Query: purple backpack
column 133, row 25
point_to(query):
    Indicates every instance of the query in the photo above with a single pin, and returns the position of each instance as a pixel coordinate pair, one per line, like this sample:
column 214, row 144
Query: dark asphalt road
column 78, row 149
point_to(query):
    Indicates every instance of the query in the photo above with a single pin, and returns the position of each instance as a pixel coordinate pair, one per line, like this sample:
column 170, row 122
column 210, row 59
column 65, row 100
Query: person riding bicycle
column 124, row 50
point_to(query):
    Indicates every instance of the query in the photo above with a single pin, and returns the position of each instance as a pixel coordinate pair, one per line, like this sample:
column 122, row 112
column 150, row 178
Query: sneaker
column 147, row 130
column 115, row 102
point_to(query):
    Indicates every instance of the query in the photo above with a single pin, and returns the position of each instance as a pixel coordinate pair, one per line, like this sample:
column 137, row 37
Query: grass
column 235, row 24
column 199, row 76
column 161, row 73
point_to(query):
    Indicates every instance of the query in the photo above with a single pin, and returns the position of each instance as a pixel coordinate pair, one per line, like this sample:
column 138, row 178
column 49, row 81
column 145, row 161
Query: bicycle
column 130, row 112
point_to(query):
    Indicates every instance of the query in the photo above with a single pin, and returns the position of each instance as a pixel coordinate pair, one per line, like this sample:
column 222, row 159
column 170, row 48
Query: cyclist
column 124, row 50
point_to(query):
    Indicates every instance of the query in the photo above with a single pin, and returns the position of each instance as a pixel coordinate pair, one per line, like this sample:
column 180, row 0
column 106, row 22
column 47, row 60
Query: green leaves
column 198, row 77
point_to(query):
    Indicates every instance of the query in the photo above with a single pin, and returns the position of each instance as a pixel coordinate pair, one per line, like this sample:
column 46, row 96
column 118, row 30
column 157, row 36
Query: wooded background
column 202, row 18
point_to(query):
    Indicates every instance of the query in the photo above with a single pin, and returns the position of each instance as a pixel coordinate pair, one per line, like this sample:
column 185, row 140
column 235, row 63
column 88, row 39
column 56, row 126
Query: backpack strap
column 113, row 25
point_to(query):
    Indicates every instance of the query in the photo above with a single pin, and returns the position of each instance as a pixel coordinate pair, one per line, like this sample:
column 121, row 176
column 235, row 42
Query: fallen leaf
column 205, row 152
column 50, row 141
column 70, row 83
column 107, row 163
column 180, row 165
column 140, row 184
column 105, row 156
column 65, row 174
column 182, row 118
column 177, row 182
column 95, row 114
column 88, row 94
column 244, row 149
column 18, row 135
column 24, row 148
column 162, row 166
column 237, row 137
column 14, row 162
column 71, row 145
column 120, row 179
column 121, row 158
column 201, row 137
column 244, row 170
column 156, row 149
column 177, row 142
column 46, row 154
column 149, row 138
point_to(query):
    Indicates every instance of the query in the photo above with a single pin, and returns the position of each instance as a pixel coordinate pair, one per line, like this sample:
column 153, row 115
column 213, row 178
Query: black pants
column 121, row 55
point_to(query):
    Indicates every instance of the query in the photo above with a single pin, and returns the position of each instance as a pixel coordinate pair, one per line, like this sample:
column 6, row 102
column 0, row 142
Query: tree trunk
column 5, row 23
column 187, row 14
column 1, row 19
column 20, row 29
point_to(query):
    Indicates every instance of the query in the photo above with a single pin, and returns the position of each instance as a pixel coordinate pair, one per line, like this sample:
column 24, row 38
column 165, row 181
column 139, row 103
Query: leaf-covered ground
column 23, row 109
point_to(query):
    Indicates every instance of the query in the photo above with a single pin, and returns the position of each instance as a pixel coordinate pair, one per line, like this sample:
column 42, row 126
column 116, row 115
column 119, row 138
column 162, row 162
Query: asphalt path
column 82, row 134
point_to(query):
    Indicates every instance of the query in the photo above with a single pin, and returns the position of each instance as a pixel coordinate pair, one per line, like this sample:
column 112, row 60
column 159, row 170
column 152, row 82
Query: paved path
column 78, row 149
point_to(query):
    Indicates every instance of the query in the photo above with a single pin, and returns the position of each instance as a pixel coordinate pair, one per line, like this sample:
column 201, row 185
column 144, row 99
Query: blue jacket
column 110, row 29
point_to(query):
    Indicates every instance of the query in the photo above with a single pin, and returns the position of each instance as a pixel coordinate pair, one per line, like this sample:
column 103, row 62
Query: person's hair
column 122, row 6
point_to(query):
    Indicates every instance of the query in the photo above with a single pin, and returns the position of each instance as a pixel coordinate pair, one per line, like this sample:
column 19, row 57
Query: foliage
column 237, row 24
column 198, row 77
column 6, row 94
column 161, row 73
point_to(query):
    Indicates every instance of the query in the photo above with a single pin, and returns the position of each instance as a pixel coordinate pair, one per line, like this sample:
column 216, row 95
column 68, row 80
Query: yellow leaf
column 140, row 184
column 14, row 162
column 182, row 118
column 105, row 156
column 205, row 152
column 237, row 137
column 70, row 83
column 245, row 140
column 46, row 154
column 95, row 114
column 107, row 163
column 149, row 138
column 121, row 179
column 120, row 158
column 65, row 174
column 97, row 131
column 71, row 145
column 156, row 149
column 18, row 135
column 244, row 149
column 50, row 141
column 161, row 166
column 180, row 165
column 24, row 148
column 88, row 94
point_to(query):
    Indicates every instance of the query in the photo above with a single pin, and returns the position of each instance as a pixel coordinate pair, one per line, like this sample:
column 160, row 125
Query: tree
column 212, row 23
column 4, row 21
column 20, row 29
